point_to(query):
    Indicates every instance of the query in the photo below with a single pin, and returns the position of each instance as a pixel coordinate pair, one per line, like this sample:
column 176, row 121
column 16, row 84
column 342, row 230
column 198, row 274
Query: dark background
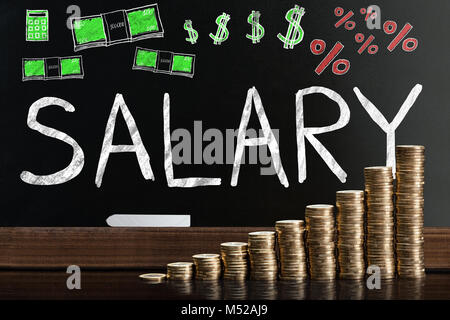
column 216, row 95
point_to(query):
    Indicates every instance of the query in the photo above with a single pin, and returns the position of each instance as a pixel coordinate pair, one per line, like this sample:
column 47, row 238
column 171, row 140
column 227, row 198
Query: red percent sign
column 348, row 24
column 408, row 45
column 339, row 67
column 371, row 49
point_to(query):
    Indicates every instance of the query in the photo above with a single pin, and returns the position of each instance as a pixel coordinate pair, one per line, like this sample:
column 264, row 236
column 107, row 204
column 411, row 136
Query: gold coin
column 153, row 277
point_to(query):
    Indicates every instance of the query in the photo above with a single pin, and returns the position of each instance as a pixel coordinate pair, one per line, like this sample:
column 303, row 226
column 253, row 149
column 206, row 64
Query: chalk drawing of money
column 193, row 34
column 115, row 27
column 181, row 64
column 294, row 34
column 52, row 68
column 257, row 29
column 222, row 31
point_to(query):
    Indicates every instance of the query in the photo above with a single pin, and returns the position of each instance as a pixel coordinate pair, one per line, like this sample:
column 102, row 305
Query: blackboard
column 216, row 95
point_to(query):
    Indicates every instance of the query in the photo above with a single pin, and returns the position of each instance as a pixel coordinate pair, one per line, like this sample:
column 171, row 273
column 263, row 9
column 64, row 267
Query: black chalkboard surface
column 213, row 96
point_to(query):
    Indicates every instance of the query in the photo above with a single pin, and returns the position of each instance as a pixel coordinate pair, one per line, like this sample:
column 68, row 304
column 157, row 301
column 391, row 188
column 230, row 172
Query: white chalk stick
column 149, row 220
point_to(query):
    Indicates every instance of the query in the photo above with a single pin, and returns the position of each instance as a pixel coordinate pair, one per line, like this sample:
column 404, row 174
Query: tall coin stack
column 207, row 266
column 320, row 239
column 234, row 257
column 263, row 258
column 180, row 271
column 380, row 219
column 409, row 202
column 350, row 228
column 292, row 250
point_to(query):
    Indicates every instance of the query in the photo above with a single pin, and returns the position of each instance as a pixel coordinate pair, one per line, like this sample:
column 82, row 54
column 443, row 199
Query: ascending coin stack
column 409, row 203
column 320, row 235
column 263, row 258
column 235, row 260
column 180, row 271
column 207, row 266
column 320, row 240
column 350, row 228
column 291, row 248
column 380, row 219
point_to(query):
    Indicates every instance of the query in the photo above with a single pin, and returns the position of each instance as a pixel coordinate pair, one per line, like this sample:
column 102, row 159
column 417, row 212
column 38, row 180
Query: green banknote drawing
column 115, row 27
column 52, row 68
column 168, row 62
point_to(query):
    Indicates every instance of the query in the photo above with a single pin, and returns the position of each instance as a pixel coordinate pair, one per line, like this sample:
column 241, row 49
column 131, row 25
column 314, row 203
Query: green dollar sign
column 257, row 29
column 294, row 33
column 193, row 34
column 222, row 31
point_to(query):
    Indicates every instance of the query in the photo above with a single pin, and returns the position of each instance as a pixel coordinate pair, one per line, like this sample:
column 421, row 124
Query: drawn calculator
column 37, row 25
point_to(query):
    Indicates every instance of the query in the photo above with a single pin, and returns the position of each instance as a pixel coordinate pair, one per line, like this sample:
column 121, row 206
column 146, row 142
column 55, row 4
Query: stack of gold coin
column 235, row 260
column 380, row 219
column 263, row 258
column 207, row 266
column 350, row 228
column 180, row 271
column 292, row 250
column 320, row 239
column 410, row 181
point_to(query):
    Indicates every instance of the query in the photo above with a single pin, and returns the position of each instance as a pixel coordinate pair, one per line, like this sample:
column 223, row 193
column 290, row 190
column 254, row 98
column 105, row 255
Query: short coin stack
column 153, row 277
column 380, row 219
column 207, row 266
column 263, row 258
column 292, row 250
column 320, row 239
column 409, row 194
column 235, row 260
column 350, row 228
column 180, row 271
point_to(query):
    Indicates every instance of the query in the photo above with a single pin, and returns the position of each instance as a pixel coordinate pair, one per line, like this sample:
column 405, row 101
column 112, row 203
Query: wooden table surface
column 126, row 285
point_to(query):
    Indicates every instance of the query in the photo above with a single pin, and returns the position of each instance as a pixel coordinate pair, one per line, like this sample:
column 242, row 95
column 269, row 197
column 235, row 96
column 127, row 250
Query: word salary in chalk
column 308, row 133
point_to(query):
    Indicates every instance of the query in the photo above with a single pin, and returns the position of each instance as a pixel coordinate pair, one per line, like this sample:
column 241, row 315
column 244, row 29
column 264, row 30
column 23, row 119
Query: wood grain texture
column 144, row 248
column 437, row 248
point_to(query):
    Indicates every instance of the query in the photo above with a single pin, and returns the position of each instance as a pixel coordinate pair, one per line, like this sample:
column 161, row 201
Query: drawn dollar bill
column 115, row 27
column 52, row 68
column 158, row 61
